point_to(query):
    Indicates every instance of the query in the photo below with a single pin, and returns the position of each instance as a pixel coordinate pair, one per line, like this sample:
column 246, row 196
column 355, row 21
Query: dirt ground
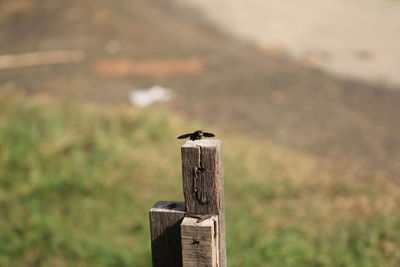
column 353, row 38
column 217, row 78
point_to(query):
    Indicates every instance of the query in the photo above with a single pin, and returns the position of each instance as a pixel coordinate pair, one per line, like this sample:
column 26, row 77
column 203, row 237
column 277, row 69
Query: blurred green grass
column 77, row 181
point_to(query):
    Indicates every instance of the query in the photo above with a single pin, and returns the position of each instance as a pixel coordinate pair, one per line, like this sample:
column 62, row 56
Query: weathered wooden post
column 165, row 229
column 203, row 188
column 193, row 233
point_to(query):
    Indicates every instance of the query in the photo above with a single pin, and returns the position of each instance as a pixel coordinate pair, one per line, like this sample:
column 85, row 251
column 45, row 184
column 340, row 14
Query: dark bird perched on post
column 197, row 135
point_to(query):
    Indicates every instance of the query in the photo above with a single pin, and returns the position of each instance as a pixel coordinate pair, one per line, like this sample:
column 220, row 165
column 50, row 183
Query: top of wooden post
column 202, row 142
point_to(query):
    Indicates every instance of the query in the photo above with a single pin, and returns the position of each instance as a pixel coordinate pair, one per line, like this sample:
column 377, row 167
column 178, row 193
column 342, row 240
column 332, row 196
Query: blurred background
column 304, row 95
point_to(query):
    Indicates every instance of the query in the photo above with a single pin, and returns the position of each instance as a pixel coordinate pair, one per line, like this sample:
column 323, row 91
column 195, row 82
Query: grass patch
column 76, row 183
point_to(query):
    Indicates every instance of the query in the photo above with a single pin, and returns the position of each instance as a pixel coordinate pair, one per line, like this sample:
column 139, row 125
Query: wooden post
column 199, row 242
column 192, row 233
column 203, row 184
column 165, row 220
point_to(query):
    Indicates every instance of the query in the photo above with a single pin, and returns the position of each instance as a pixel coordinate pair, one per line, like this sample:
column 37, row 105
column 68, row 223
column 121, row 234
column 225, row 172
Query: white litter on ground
column 149, row 96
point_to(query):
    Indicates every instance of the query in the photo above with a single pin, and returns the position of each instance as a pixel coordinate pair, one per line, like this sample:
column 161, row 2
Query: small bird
column 197, row 135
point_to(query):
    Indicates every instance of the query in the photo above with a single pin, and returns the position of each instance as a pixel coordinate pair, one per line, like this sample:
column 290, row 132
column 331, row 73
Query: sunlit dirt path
column 353, row 38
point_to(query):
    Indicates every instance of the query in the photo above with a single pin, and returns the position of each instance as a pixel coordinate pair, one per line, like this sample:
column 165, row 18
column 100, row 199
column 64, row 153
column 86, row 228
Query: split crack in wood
column 199, row 181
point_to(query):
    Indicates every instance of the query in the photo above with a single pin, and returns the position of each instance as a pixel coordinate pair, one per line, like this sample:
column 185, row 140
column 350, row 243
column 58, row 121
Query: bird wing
column 183, row 136
column 208, row 134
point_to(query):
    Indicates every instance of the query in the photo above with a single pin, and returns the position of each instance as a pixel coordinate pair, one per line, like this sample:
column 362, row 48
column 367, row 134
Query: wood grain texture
column 203, row 183
column 199, row 242
column 165, row 220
